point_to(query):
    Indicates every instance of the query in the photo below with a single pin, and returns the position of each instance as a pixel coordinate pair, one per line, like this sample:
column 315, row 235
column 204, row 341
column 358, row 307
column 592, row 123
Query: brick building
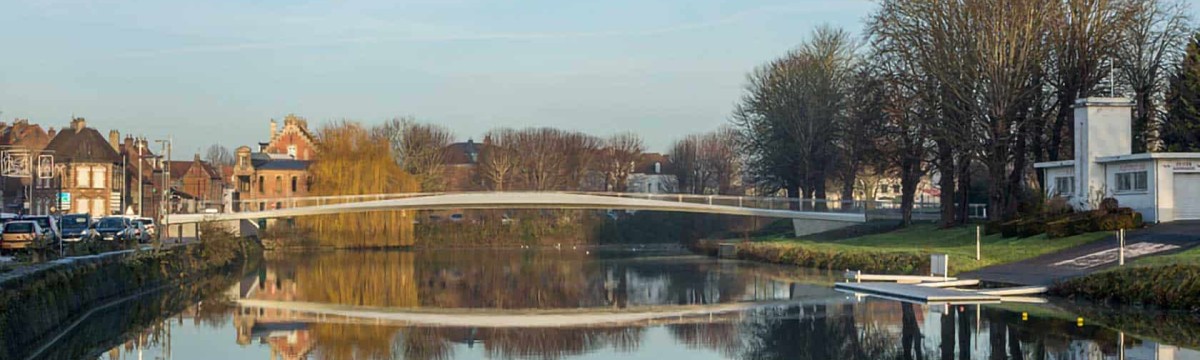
column 87, row 166
column 199, row 182
column 263, row 180
column 293, row 140
column 24, row 136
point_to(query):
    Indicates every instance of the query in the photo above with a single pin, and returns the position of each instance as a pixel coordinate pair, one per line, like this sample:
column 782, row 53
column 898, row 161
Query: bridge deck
column 524, row 200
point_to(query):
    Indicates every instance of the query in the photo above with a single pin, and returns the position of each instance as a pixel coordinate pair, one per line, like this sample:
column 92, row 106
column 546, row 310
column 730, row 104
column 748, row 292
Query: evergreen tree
column 1181, row 131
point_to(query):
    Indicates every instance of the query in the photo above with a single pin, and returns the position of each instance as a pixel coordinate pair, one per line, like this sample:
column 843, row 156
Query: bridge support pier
column 803, row 227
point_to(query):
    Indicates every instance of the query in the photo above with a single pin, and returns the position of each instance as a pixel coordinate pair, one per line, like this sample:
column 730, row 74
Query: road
column 1092, row 257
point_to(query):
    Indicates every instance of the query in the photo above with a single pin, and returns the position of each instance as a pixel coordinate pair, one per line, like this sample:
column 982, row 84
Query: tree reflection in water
column 823, row 325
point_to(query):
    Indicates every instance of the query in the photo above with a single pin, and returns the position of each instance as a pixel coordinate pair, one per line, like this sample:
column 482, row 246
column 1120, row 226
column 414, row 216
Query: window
column 83, row 177
column 82, row 206
column 1064, row 185
column 261, row 189
column 278, row 184
column 1131, row 181
column 99, row 177
column 98, row 208
column 295, row 184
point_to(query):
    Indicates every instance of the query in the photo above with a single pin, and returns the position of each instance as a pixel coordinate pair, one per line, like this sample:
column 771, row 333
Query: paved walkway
column 1092, row 257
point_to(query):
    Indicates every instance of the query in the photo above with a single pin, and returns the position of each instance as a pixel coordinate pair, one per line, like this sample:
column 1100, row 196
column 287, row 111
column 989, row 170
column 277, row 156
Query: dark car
column 77, row 227
column 115, row 228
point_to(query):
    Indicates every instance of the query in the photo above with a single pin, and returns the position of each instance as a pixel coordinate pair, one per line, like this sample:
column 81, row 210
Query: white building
column 1164, row 187
column 651, row 180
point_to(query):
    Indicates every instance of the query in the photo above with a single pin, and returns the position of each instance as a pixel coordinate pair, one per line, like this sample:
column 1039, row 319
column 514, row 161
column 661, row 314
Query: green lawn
column 959, row 243
column 1188, row 257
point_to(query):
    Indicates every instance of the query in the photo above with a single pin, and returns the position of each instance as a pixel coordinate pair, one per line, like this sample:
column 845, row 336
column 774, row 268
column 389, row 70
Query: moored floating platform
column 922, row 294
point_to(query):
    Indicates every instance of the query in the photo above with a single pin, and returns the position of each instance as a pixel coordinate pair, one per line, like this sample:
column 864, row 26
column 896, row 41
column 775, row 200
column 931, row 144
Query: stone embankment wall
column 38, row 301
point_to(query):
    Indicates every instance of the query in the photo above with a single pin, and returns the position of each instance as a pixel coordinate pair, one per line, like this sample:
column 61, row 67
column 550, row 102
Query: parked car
column 77, row 227
column 148, row 223
column 48, row 223
column 19, row 234
column 116, row 228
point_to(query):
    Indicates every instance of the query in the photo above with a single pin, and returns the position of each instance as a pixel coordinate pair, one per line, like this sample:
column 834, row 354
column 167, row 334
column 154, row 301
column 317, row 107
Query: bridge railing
column 873, row 209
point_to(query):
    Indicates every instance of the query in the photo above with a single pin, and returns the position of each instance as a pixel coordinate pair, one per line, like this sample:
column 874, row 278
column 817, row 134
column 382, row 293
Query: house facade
column 200, row 181
column 1164, row 187
column 87, row 164
column 263, row 180
column 293, row 139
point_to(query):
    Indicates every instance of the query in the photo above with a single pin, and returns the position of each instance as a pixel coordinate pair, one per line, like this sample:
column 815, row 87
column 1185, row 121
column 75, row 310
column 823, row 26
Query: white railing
column 873, row 209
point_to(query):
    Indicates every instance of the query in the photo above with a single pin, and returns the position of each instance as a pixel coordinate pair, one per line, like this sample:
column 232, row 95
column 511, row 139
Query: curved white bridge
column 725, row 205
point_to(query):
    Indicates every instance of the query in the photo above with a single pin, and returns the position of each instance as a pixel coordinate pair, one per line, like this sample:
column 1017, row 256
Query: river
column 576, row 304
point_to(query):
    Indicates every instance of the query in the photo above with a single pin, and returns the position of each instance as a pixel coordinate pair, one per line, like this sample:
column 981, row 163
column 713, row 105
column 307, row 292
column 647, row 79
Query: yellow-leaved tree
column 355, row 160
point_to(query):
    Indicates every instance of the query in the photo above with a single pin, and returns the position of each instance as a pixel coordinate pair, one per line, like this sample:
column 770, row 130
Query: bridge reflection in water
column 817, row 324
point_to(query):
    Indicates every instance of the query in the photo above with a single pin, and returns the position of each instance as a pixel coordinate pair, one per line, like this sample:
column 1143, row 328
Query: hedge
column 876, row 262
column 1175, row 287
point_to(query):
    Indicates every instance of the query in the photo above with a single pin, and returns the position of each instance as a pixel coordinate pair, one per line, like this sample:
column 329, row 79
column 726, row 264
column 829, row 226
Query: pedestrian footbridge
column 805, row 214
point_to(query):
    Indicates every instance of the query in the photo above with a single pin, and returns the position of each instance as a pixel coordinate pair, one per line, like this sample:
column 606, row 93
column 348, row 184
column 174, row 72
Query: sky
column 216, row 71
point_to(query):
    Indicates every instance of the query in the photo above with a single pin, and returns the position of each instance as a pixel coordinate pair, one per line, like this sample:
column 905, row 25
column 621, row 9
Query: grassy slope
column 959, row 243
column 1189, row 257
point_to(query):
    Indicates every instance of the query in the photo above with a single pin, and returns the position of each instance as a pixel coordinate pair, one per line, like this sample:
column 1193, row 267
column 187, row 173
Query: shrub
column 1059, row 229
column 1029, row 228
column 992, row 227
column 1109, row 205
column 1010, row 229
column 1171, row 287
column 1058, row 206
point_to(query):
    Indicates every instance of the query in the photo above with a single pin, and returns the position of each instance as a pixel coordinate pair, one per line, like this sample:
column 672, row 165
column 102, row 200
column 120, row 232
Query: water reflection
column 817, row 324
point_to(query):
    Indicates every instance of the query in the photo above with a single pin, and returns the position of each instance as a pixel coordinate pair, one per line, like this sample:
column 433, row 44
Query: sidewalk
column 1092, row 257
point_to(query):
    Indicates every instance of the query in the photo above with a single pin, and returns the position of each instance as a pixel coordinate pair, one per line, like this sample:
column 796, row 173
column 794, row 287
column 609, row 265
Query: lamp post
column 166, row 145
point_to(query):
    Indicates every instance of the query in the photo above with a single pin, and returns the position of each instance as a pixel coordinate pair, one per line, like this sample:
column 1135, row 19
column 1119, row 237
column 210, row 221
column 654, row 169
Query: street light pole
column 166, row 195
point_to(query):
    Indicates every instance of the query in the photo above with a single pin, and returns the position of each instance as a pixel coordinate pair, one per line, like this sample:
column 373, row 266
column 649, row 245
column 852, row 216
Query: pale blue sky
column 218, row 70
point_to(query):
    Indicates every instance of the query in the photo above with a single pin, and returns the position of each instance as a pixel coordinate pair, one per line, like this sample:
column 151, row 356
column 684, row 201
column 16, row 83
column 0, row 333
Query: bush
column 992, row 227
column 1030, row 228
column 1109, row 205
column 1059, row 229
column 1174, row 287
column 867, row 262
column 1010, row 229
column 1114, row 222
column 1058, row 206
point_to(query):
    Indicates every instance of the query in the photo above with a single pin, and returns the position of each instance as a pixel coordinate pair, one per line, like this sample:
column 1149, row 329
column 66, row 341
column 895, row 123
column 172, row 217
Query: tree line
column 956, row 88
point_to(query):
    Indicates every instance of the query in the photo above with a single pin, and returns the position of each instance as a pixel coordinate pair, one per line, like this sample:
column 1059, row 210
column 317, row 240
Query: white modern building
column 1164, row 187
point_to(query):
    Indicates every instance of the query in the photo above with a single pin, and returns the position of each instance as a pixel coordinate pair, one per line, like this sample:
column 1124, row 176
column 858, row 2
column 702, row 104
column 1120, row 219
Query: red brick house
column 201, row 183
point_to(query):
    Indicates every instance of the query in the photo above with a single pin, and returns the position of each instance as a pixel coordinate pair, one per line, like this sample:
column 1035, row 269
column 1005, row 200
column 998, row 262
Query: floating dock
column 921, row 294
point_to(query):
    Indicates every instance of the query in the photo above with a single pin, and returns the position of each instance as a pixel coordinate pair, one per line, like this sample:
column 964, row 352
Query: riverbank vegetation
column 1164, row 281
column 903, row 251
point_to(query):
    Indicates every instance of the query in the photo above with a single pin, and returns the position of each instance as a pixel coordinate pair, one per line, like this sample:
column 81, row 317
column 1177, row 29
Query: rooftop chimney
column 52, row 132
column 114, row 140
column 78, row 124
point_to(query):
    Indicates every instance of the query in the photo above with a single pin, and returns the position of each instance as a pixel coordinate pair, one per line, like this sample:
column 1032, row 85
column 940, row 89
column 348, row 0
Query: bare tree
column 1083, row 37
column 498, row 159
column 218, row 155
column 1152, row 41
column 420, row 150
column 621, row 153
column 581, row 151
column 706, row 163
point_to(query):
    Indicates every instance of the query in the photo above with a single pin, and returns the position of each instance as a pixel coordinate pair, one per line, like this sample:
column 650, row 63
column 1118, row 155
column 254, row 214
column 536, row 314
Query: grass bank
column 1169, row 282
column 903, row 251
